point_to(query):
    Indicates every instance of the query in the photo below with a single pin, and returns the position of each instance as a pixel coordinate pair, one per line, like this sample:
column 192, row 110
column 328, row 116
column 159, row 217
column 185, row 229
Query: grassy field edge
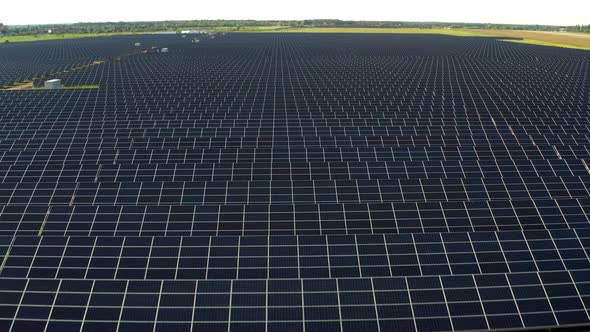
column 581, row 42
column 28, row 38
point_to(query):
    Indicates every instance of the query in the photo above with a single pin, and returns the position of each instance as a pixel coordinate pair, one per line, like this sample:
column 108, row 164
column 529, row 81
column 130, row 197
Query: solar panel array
column 36, row 60
column 295, row 182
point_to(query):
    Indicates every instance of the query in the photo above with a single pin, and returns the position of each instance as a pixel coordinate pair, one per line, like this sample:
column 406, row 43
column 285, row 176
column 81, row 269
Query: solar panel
column 294, row 182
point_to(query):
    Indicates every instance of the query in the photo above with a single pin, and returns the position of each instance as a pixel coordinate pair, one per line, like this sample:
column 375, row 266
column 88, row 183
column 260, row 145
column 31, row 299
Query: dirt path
column 569, row 34
column 24, row 86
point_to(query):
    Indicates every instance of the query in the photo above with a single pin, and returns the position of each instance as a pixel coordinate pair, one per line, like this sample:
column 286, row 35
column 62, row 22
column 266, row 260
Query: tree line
column 113, row 27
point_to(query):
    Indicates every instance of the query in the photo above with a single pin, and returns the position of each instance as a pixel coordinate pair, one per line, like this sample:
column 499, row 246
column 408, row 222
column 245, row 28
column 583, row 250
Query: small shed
column 54, row 84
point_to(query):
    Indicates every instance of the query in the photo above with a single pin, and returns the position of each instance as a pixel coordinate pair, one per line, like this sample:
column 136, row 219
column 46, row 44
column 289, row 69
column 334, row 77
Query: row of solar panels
column 336, row 256
column 185, row 131
column 315, row 142
column 306, row 98
column 284, row 219
column 471, row 170
column 280, row 101
column 293, row 192
column 238, row 155
column 474, row 302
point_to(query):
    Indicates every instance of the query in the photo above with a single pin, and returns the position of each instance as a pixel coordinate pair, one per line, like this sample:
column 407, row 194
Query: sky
column 570, row 12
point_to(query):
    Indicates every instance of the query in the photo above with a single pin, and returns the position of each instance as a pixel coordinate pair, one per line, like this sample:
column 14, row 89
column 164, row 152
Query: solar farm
column 294, row 182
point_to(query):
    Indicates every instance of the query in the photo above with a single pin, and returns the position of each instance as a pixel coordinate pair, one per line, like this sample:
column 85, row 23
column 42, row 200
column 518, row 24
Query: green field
column 450, row 32
column 27, row 38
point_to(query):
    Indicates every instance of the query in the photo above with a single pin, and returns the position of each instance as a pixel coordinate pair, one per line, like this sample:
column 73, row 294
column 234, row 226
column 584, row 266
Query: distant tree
column 106, row 27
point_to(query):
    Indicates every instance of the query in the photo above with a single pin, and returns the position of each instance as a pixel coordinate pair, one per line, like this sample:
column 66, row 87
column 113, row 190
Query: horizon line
column 287, row 20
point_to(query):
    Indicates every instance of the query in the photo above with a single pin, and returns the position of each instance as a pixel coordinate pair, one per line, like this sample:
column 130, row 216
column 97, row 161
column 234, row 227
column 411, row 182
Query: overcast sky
column 568, row 12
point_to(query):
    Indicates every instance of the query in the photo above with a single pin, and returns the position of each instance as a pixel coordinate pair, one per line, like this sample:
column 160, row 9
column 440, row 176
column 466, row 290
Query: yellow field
column 450, row 32
column 557, row 39
column 567, row 40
